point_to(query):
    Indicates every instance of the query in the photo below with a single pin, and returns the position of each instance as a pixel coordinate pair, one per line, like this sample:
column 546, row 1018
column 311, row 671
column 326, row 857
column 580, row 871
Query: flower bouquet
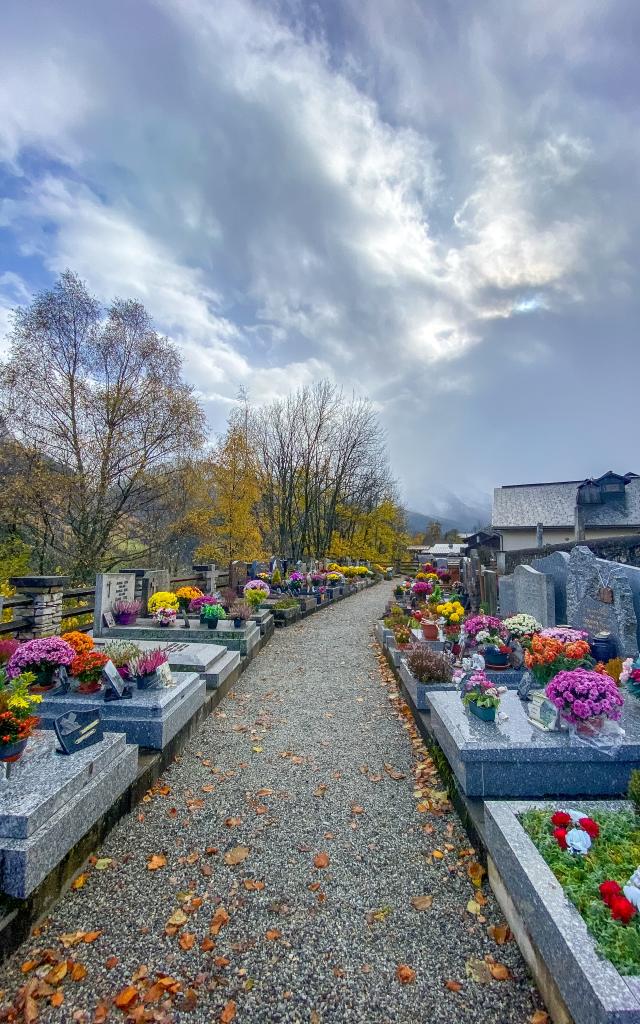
column 630, row 675
column 452, row 612
column 164, row 616
column 213, row 613
column 297, row 580
column 521, row 627
column 16, row 721
column 126, row 612
column 81, row 642
column 422, row 588
column 481, row 696
column 565, row 634
column 87, row 669
column 402, row 635
column 121, row 652
column 186, row 595
column 255, row 592
column 547, row 656
column 198, row 604
column 582, row 695
column 142, row 669
column 163, row 599
column 41, row 657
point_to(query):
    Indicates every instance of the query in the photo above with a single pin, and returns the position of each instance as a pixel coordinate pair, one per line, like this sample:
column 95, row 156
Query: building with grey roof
column 567, row 510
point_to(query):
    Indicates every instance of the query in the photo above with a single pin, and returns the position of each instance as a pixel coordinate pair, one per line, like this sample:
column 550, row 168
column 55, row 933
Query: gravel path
column 290, row 770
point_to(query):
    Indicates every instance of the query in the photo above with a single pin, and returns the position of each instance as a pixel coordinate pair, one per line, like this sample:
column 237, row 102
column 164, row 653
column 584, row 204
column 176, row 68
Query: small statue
column 516, row 657
column 477, row 662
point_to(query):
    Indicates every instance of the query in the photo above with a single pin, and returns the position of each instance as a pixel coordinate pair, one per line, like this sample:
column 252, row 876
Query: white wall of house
column 515, row 540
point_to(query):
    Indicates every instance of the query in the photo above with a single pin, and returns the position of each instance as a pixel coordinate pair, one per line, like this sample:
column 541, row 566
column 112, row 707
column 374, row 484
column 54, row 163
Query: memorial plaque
column 164, row 674
column 78, row 729
column 116, row 688
column 108, row 619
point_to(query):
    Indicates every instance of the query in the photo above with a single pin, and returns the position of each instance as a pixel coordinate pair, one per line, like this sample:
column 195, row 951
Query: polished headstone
column 512, row 758
column 556, row 565
column 600, row 599
column 110, row 587
column 534, row 594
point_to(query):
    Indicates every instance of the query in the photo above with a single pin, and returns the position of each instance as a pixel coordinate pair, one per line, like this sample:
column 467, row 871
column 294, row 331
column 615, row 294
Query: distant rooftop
column 523, row 506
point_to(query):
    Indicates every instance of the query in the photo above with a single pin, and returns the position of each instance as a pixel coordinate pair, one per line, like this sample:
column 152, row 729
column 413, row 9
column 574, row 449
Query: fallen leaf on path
column 156, row 861
column 273, row 934
column 500, row 933
column 126, row 997
column 394, row 773
column 252, row 886
column 321, row 860
column 357, row 809
column 500, row 972
column 79, row 881
column 111, row 962
column 103, row 863
column 218, row 921
column 321, row 790
column 78, row 972
column 236, row 855
column 232, row 822
column 473, row 907
column 539, row 1017
column 405, row 974
column 478, row 971
column 177, row 919
column 475, row 872
column 375, row 916
column 421, row 902
column 228, row 1012
column 57, row 999
column 56, row 974
column 187, row 940
column 207, row 945
column 453, row 986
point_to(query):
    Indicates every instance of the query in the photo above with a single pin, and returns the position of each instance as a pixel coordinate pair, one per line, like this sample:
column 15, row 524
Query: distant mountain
column 453, row 514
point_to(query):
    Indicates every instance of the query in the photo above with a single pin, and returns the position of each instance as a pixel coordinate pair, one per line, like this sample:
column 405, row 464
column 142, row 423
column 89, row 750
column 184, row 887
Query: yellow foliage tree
column 223, row 517
column 377, row 535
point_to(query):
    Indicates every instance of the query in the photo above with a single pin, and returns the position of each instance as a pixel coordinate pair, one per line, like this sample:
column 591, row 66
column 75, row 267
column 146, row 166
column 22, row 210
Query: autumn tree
column 98, row 418
column 432, row 534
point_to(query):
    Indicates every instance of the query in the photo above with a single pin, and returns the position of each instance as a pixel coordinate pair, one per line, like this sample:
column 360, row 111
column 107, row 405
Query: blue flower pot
column 486, row 714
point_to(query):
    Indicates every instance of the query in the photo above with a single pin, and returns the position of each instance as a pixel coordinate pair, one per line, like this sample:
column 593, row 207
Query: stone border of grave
column 550, row 932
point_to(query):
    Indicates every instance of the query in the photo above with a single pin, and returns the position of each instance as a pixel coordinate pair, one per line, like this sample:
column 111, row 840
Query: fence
column 44, row 606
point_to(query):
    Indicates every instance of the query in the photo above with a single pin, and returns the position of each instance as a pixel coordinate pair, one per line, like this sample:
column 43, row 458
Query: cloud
column 419, row 201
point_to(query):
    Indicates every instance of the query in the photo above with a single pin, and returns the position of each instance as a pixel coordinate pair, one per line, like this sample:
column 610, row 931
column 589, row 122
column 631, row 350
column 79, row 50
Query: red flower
column 560, row 818
column 504, row 649
column 610, row 891
column 622, row 909
column 561, row 835
column 591, row 827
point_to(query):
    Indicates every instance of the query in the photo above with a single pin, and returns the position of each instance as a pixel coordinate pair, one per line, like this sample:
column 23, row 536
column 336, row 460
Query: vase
column 430, row 631
column 237, row 623
column 12, row 752
column 212, row 623
column 148, row 682
column 486, row 714
column 126, row 618
column 495, row 659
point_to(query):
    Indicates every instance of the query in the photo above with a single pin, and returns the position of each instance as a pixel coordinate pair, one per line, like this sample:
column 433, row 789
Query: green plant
column 276, row 578
column 213, row 611
column 286, row 602
column 615, row 855
column 633, row 792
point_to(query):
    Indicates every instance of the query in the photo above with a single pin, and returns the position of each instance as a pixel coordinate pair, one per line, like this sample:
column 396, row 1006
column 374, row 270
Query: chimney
column 539, row 535
column 579, row 534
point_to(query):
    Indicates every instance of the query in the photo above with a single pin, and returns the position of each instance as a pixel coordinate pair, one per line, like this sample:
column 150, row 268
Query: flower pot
column 430, row 631
column 125, row 618
column 495, row 659
column 486, row 714
column 213, row 623
column 12, row 752
column 148, row 682
column 237, row 623
column 93, row 687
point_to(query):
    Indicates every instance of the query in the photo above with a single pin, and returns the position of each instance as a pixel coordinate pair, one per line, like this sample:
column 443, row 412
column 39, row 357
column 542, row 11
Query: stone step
column 222, row 669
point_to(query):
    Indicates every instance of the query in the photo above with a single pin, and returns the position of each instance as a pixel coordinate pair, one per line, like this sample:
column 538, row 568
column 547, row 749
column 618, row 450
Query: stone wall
column 613, row 549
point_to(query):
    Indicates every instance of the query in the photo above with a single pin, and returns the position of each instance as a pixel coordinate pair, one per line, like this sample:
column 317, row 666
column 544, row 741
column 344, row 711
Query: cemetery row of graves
column 90, row 717
column 531, row 708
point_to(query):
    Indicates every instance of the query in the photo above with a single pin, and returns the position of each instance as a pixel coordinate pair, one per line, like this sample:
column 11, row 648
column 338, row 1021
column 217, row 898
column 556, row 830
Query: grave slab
column 590, row 986
column 151, row 718
column 210, row 661
column 589, row 581
column 422, row 692
column 243, row 639
column 51, row 800
column 512, row 758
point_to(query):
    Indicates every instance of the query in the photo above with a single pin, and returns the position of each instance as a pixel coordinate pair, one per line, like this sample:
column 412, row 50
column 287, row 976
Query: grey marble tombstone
column 600, row 599
column 506, row 596
column 110, row 587
column 556, row 565
column 534, row 594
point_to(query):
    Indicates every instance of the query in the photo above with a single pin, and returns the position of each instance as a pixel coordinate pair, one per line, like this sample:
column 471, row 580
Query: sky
column 431, row 202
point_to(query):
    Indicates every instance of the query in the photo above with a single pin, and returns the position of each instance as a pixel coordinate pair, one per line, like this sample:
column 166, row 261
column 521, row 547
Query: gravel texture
column 312, row 721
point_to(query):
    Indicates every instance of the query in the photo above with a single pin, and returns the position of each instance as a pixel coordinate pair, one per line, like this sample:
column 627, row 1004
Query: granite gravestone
column 237, row 574
column 556, row 565
column 110, row 587
column 534, row 594
column 506, row 596
column 600, row 599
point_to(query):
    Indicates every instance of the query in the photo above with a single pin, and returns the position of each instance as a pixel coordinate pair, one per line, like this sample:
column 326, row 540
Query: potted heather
column 121, row 652
column 428, row 666
column 239, row 612
column 126, row 612
column 480, row 696
column 213, row 613
column 86, row 668
column 17, row 722
column 41, row 657
column 143, row 669
column 186, row 595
